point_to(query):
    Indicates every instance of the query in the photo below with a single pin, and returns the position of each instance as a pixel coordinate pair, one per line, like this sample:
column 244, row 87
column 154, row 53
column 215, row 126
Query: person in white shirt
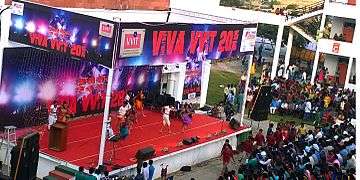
column 307, row 110
column 146, row 171
column 109, row 131
column 53, row 114
column 127, row 97
column 121, row 114
column 166, row 118
column 310, row 136
column 304, row 77
column 280, row 72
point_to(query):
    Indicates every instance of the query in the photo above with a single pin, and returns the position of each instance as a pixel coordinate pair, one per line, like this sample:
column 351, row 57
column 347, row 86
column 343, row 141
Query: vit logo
column 132, row 41
column 336, row 48
column 17, row 8
column 106, row 29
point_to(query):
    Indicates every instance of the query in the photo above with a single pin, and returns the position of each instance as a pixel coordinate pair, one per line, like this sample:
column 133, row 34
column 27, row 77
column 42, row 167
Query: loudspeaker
column 191, row 140
column 145, row 153
column 185, row 168
column 234, row 124
column 261, row 107
column 195, row 139
column 187, row 141
column 25, row 158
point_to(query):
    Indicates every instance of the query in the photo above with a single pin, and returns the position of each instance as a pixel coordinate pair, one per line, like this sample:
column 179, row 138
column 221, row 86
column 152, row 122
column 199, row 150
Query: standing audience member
column 227, row 154
column 145, row 170
column 151, row 170
column 139, row 175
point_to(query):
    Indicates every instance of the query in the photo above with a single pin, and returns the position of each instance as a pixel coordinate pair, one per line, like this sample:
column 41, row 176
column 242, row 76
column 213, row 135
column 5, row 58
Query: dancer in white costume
column 53, row 114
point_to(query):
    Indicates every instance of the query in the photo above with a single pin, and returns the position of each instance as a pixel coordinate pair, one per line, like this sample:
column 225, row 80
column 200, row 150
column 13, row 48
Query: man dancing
column 53, row 114
column 166, row 118
column 109, row 131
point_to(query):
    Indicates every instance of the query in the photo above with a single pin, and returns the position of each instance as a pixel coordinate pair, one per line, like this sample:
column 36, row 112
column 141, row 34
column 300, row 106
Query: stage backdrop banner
column 34, row 78
column 79, row 36
column 192, row 84
column 174, row 43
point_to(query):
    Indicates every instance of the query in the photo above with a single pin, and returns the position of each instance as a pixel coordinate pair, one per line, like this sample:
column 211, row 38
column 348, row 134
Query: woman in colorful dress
column 139, row 102
column 186, row 119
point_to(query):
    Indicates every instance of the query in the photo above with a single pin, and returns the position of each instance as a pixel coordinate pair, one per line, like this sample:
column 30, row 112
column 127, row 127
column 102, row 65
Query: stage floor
column 84, row 138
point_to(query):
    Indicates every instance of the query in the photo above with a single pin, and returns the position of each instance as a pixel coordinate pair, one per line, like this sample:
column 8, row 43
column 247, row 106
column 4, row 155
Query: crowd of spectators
column 288, row 152
column 93, row 174
column 293, row 95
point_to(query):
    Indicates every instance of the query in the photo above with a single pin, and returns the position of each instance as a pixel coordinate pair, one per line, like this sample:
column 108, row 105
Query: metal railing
column 307, row 9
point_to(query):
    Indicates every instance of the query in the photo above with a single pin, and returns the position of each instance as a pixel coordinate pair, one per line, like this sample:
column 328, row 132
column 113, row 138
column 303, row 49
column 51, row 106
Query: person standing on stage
column 109, row 130
column 139, row 102
column 186, row 118
column 166, row 118
column 121, row 115
column 130, row 116
column 64, row 112
column 53, row 114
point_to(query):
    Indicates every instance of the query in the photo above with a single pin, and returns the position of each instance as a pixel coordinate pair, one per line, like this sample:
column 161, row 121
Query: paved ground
column 210, row 170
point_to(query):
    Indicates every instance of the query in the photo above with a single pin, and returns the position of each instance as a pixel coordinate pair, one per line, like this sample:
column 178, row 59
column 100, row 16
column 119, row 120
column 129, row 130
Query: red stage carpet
column 84, row 138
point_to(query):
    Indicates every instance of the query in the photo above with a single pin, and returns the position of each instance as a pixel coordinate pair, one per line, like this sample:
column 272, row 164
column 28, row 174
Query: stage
column 84, row 139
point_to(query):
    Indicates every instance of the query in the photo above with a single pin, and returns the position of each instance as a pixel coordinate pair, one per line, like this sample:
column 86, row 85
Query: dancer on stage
column 186, row 118
column 64, row 113
column 130, row 116
column 121, row 115
column 139, row 102
column 53, row 114
column 109, row 131
column 166, row 118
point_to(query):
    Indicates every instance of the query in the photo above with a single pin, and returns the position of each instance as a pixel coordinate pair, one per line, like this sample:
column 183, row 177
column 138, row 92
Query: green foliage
column 217, row 77
column 232, row 3
column 275, row 2
column 291, row 6
column 267, row 31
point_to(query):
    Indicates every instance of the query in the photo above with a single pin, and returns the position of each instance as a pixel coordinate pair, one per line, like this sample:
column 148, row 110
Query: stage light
column 19, row 24
column 73, row 35
column 30, row 27
column 47, row 91
column 94, row 42
column 73, row 38
column 107, row 46
column 129, row 81
column 156, row 77
column 4, row 97
column 68, row 88
column 42, row 30
column 141, row 79
column 24, row 93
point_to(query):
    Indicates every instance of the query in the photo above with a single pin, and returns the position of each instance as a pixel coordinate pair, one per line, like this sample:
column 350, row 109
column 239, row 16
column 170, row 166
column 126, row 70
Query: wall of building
column 107, row 4
column 353, row 69
column 337, row 26
column 331, row 62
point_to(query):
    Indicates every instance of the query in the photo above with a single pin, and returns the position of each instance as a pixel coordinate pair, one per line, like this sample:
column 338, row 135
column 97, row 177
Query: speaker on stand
column 261, row 106
column 25, row 157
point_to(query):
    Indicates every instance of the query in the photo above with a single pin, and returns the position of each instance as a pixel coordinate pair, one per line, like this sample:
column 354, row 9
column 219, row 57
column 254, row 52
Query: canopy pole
column 108, row 96
column 246, row 89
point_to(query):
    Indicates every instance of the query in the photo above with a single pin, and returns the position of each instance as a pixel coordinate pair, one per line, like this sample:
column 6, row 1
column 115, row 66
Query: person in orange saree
column 139, row 102
column 64, row 113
